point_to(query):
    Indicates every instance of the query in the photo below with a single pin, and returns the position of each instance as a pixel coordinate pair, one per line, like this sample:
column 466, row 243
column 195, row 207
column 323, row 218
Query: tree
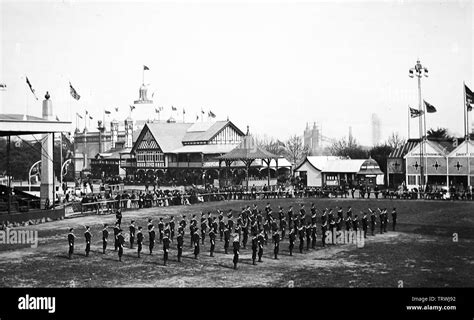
column 271, row 144
column 294, row 149
column 439, row 134
column 348, row 148
column 395, row 141
column 380, row 154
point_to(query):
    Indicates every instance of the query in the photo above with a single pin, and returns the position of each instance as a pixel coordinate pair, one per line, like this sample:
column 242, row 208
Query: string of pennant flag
column 75, row 95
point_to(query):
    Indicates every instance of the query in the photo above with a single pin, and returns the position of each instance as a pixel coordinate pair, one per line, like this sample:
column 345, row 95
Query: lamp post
column 419, row 71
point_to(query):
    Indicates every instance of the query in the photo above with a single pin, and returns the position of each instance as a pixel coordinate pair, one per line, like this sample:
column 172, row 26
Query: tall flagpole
column 465, row 109
column 420, row 129
column 25, row 118
column 467, row 136
column 408, row 123
column 70, row 107
column 85, row 139
column 419, row 71
column 61, row 160
column 425, row 158
column 54, row 179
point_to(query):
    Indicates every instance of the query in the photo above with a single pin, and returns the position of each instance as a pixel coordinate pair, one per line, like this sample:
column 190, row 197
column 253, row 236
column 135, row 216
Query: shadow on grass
column 225, row 266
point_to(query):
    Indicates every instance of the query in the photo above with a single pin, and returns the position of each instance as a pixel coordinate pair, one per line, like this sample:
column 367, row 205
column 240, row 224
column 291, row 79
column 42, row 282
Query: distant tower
column 114, row 132
column 307, row 137
column 375, row 129
column 315, row 139
column 350, row 133
column 312, row 138
column 128, row 132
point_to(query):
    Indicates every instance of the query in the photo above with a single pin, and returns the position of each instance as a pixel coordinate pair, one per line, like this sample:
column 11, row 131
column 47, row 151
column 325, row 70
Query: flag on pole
column 202, row 111
column 157, row 110
column 184, row 111
column 57, row 118
column 87, row 112
column 90, row 117
column 173, row 108
column 107, row 112
column 132, row 107
column 414, row 113
column 116, row 109
column 429, row 108
column 469, row 98
column 211, row 114
column 77, row 114
column 197, row 117
column 31, row 88
column 73, row 92
column 145, row 68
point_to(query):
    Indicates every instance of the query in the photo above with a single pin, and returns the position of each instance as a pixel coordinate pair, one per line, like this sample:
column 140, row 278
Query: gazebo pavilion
column 247, row 152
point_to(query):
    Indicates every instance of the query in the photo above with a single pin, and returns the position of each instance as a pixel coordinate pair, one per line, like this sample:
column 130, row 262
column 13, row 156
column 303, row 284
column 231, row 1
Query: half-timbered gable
column 229, row 134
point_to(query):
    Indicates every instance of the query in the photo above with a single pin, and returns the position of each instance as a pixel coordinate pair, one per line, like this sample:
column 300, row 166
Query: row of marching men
column 250, row 222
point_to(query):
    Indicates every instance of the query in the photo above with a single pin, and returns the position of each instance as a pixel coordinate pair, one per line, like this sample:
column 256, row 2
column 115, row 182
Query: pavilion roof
column 248, row 150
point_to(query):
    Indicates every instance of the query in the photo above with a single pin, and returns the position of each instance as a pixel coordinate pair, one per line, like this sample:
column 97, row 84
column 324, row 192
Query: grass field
column 420, row 253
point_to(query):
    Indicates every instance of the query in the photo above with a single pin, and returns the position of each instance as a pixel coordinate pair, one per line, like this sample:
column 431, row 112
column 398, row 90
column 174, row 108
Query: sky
column 272, row 66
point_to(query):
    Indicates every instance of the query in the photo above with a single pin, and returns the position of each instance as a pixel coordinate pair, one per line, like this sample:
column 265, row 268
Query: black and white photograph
column 325, row 145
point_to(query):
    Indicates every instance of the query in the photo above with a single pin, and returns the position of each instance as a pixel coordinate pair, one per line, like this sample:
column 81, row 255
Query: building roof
column 20, row 117
column 447, row 145
column 462, row 149
column 248, row 150
column 370, row 166
column 205, row 131
column 135, row 134
column 318, row 162
column 282, row 162
column 114, row 153
column 205, row 148
column 168, row 135
column 335, row 164
column 18, row 124
column 403, row 150
column 343, row 165
column 431, row 148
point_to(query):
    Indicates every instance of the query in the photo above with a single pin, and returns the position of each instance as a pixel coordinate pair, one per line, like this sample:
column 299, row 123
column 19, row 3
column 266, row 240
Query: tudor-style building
column 170, row 148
